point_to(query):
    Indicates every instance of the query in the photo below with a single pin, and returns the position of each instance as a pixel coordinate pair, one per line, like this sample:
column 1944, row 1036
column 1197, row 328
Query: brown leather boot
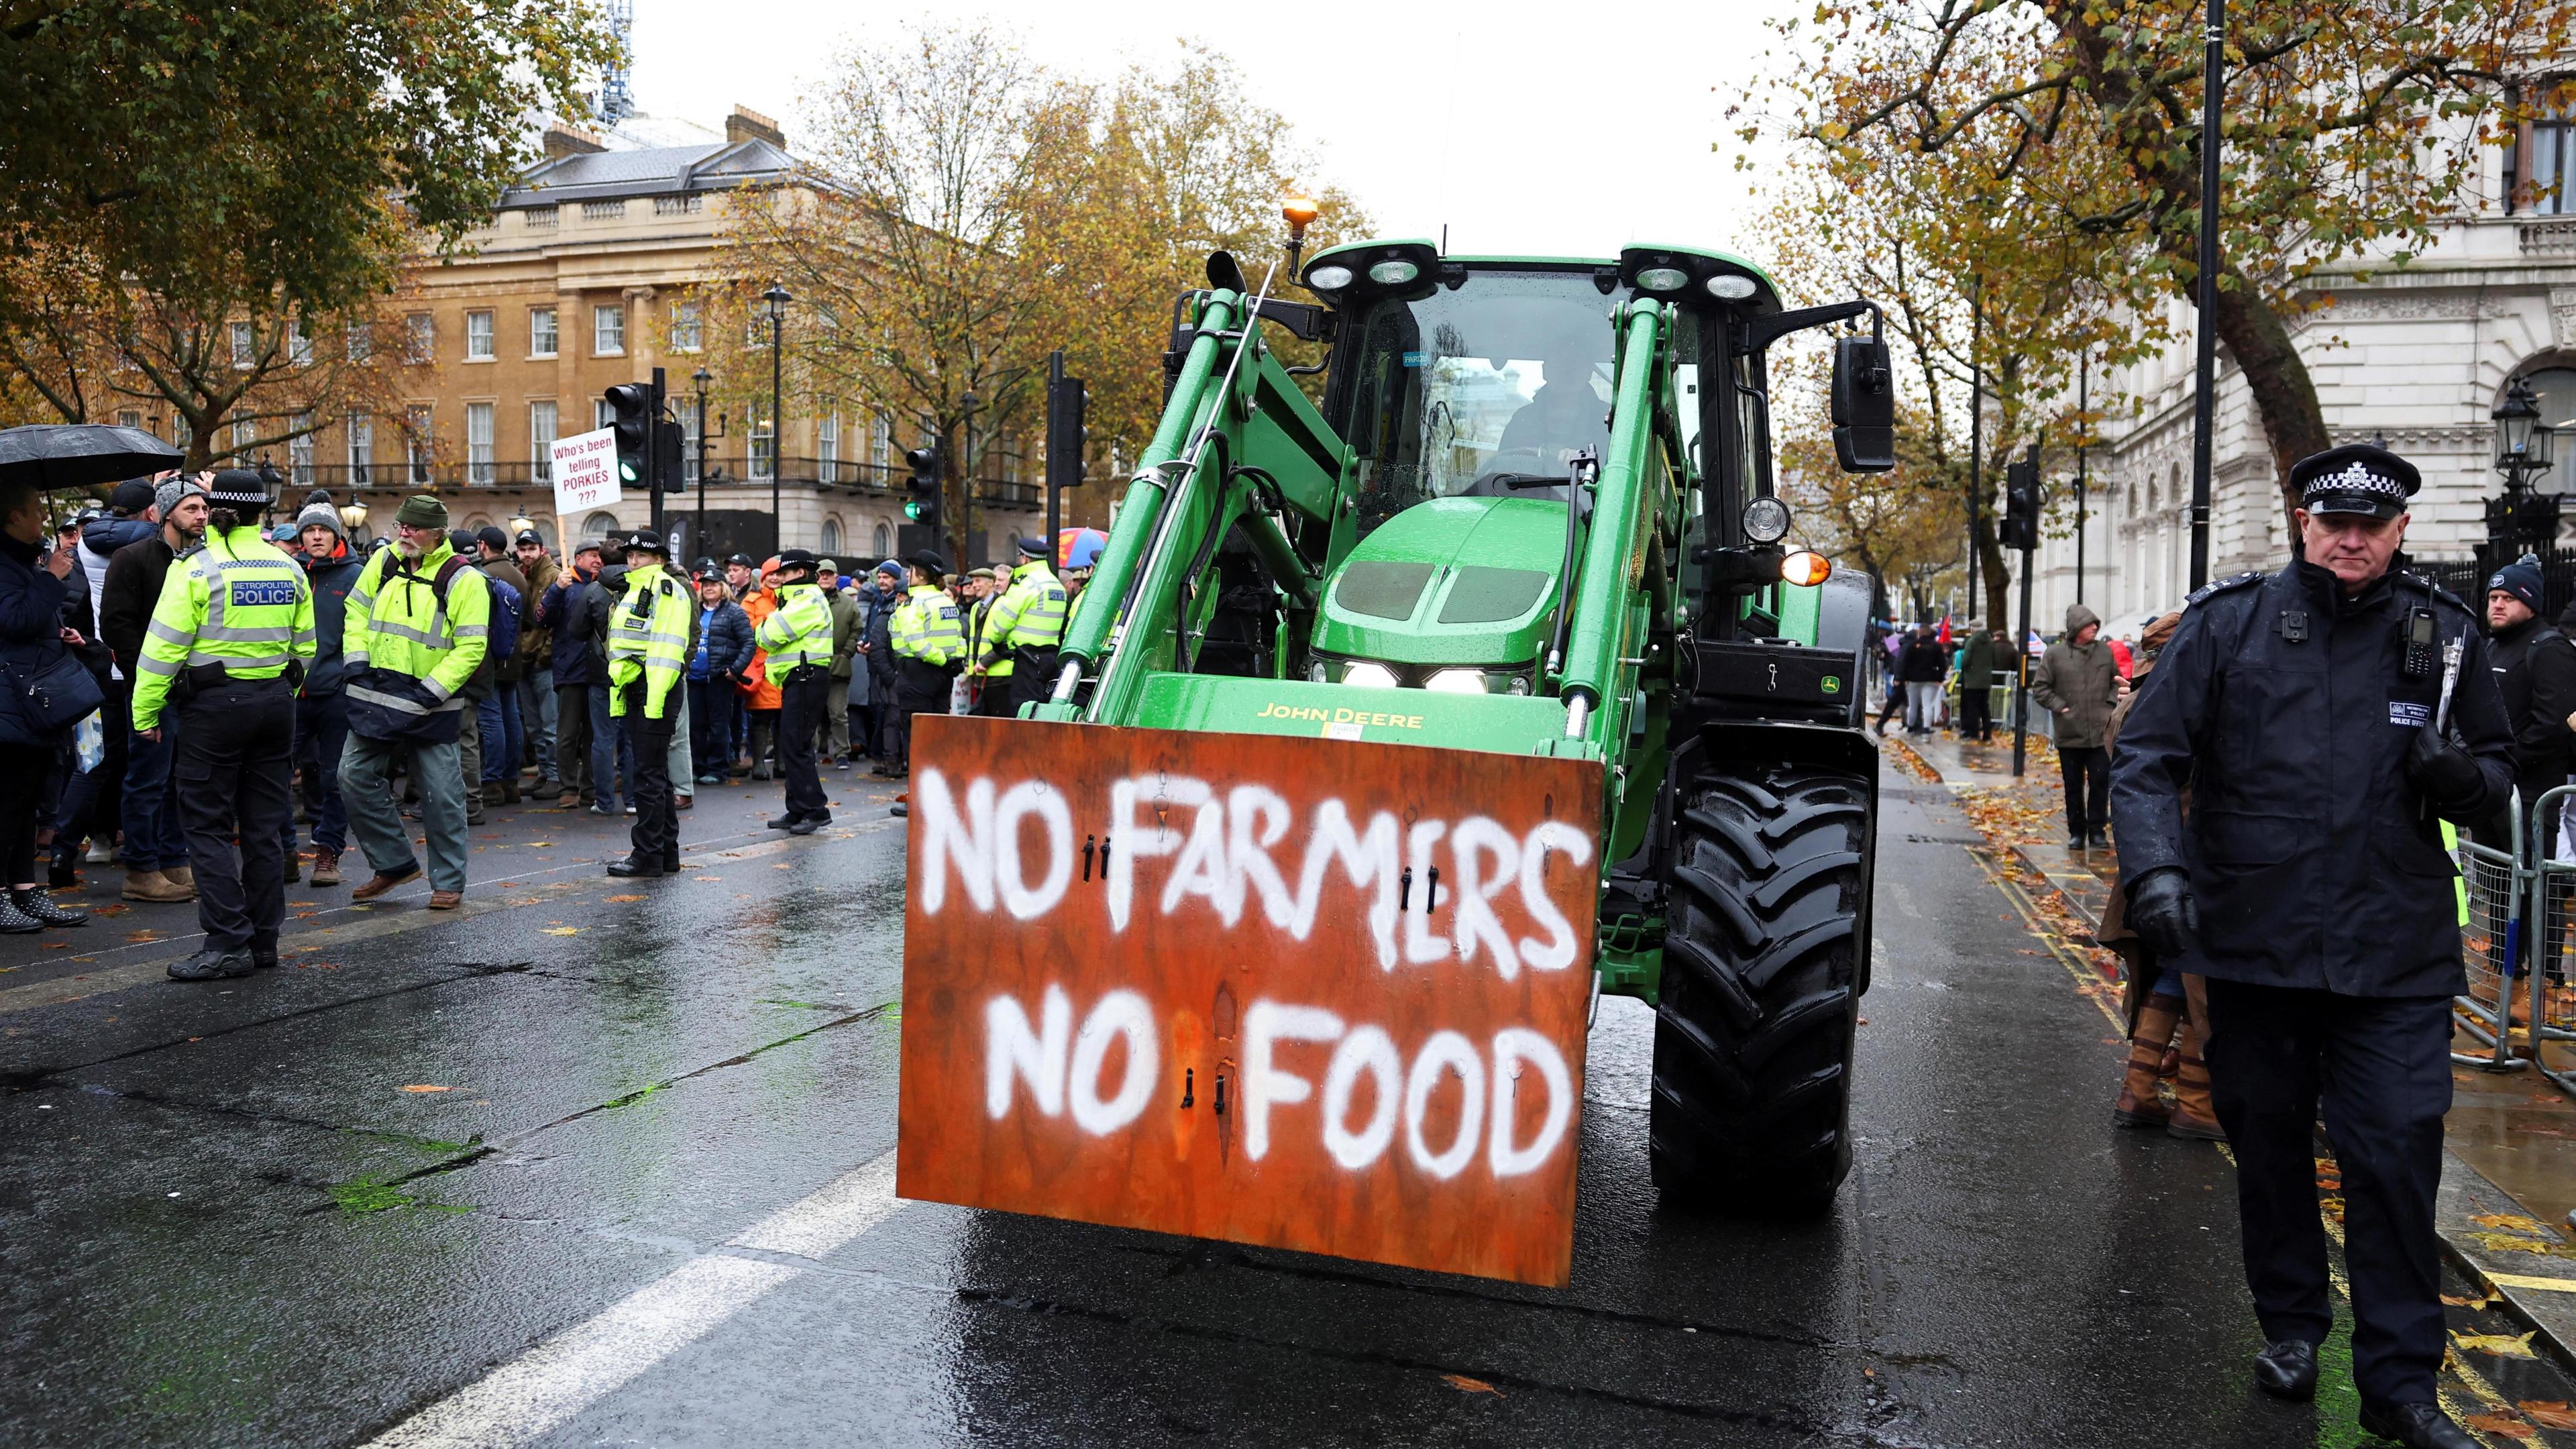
column 152, row 885
column 2194, row 1116
column 2139, row 1106
column 326, row 867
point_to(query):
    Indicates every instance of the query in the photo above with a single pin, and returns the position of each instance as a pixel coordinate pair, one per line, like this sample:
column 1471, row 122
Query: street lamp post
column 702, row 377
column 966, row 504
column 2083, row 425
column 2526, row 450
column 777, row 299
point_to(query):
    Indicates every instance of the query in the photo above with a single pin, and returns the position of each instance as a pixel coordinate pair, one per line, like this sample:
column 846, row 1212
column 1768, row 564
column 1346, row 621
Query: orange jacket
column 761, row 603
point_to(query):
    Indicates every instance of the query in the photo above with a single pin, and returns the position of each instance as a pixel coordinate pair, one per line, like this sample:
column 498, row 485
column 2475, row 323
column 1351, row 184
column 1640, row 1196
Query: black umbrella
column 53, row 456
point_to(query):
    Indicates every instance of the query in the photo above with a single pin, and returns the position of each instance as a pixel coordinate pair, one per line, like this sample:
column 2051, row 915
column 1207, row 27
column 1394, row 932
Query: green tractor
column 1534, row 515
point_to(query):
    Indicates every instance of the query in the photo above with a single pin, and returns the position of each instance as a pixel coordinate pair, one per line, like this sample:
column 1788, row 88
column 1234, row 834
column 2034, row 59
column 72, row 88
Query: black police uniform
column 2327, row 917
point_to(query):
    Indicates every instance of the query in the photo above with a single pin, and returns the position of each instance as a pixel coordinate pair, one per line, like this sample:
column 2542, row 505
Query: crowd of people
column 219, row 706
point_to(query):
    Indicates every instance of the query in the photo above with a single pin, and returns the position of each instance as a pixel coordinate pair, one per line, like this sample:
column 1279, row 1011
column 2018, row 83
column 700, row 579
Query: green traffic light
column 912, row 510
column 625, row 470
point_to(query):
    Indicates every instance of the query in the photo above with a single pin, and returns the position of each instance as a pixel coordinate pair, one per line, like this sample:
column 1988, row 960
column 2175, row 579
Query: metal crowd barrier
column 2545, row 1009
column 2493, row 946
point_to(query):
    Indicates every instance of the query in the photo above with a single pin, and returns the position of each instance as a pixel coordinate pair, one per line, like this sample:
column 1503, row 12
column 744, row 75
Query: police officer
column 227, row 646
column 2324, row 738
column 648, row 650
column 798, row 636
column 929, row 650
column 1028, row 623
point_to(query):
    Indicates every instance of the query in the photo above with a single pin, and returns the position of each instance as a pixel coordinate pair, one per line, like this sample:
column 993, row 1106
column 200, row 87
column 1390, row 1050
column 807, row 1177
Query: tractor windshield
column 1466, row 391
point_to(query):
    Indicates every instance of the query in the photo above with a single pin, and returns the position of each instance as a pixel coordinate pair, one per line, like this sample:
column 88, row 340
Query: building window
column 245, row 432
column 599, row 526
column 362, row 449
column 678, row 205
column 764, row 443
column 541, row 439
column 608, row 329
column 684, row 327
column 756, row 332
column 362, row 340
column 478, row 337
column 2555, row 388
column 884, row 542
column 603, row 211
column 129, row 419
column 299, row 348
column 832, row 538
column 881, row 443
column 478, row 442
column 420, row 337
column 417, row 445
column 542, row 218
column 244, row 348
column 827, row 443
column 601, row 414
column 541, row 332
column 689, row 441
column 299, row 451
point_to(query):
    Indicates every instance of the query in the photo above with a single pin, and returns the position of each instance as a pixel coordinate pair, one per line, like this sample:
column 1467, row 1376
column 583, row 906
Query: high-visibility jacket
column 399, row 619
column 648, row 639
column 235, row 601
column 798, row 633
column 1030, row 614
column 926, row 627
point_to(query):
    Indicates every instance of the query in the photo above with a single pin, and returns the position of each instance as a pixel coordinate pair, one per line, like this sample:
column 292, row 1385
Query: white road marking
column 569, row 1372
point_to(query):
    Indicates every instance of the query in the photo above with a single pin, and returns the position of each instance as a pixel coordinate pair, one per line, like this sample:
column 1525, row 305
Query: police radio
column 2422, row 639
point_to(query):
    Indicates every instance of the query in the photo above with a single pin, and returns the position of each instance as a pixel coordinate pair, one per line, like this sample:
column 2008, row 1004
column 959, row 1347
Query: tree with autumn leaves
column 963, row 210
column 2043, row 156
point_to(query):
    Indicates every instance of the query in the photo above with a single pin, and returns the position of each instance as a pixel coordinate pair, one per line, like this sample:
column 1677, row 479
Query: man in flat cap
column 2326, row 719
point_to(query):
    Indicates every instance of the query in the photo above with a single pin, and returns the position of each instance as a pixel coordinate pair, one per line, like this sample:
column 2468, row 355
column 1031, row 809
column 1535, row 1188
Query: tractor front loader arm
column 1238, row 448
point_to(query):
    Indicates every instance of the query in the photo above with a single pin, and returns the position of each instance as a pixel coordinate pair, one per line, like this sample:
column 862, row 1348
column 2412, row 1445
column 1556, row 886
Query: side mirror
column 1864, row 405
column 1223, row 272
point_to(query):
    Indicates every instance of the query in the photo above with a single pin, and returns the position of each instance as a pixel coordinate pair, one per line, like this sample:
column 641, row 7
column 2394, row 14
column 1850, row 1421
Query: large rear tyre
column 1763, row 951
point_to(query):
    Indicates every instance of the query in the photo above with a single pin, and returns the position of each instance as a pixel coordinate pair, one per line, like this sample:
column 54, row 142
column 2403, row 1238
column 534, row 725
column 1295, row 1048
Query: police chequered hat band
column 2356, row 478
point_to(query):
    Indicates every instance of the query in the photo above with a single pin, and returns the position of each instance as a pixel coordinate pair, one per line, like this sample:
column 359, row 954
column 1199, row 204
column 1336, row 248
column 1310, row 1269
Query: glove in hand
column 2162, row 911
column 2443, row 773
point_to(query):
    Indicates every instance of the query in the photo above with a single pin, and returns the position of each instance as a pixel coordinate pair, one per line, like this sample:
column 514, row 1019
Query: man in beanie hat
column 2540, row 743
column 886, row 583
column 155, row 852
column 227, row 647
column 321, row 714
column 499, row 733
column 419, row 621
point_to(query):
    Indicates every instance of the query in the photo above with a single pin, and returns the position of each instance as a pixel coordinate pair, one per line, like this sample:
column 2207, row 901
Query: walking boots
column 2139, row 1105
column 2194, row 1115
column 152, row 885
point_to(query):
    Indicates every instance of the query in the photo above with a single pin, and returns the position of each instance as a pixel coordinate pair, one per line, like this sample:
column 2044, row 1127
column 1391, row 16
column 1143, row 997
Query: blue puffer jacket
column 577, row 661
column 331, row 578
column 31, row 631
column 726, row 643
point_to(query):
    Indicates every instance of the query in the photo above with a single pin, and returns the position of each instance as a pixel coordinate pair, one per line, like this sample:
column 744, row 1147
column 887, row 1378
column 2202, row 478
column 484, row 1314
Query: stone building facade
column 2418, row 356
column 585, row 279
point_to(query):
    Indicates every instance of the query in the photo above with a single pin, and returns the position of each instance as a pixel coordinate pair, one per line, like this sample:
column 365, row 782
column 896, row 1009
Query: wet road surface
column 600, row 1163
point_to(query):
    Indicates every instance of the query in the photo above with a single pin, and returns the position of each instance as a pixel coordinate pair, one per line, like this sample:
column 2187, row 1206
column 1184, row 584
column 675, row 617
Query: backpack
column 506, row 607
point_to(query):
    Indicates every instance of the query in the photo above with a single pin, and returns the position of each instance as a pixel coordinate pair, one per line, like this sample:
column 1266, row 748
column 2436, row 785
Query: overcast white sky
column 1564, row 129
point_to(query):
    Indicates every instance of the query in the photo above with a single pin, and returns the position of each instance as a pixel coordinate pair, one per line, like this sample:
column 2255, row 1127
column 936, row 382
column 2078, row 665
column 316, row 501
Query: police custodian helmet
column 2355, row 478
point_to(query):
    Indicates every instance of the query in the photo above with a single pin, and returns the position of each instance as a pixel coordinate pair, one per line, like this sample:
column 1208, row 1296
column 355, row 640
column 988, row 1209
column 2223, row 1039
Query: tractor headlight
column 1663, row 279
column 1456, row 681
column 1730, row 286
column 1369, row 675
column 1766, row 521
column 1328, row 279
column 1394, row 273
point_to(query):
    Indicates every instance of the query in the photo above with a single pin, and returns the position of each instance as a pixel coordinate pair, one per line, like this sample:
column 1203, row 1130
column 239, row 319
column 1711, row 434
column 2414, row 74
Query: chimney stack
column 746, row 124
column 566, row 139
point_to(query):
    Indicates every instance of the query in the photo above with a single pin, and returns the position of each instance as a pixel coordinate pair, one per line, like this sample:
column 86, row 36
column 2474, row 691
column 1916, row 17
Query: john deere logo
column 1832, row 684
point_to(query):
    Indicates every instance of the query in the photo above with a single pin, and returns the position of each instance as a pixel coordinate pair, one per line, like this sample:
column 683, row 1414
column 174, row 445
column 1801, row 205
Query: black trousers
column 2382, row 1067
column 1976, row 713
column 919, row 689
column 23, row 772
column 998, row 699
column 801, row 713
column 2087, row 771
column 234, row 768
column 656, row 836
column 1033, row 672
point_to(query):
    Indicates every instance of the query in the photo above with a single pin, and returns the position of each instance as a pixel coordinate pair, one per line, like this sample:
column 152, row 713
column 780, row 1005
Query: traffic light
column 924, row 504
column 1067, row 433
column 633, row 404
column 667, row 443
column 2020, row 526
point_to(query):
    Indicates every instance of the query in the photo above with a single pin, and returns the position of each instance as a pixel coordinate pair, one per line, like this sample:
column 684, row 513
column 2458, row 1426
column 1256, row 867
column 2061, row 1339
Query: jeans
column 366, row 784
column 2087, row 772
column 573, row 739
column 154, row 837
column 1922, row 703
column 683, row 784
column 710, row 714
column 612, row 754
column 537, row 719
column 321, row 734
column 502, row 740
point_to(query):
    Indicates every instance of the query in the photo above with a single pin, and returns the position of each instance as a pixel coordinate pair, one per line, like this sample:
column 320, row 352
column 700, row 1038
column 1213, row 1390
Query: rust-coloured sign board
column 1314, row 994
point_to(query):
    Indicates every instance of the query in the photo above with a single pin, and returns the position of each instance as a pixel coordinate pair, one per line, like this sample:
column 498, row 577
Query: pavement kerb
column 2524, row 1279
